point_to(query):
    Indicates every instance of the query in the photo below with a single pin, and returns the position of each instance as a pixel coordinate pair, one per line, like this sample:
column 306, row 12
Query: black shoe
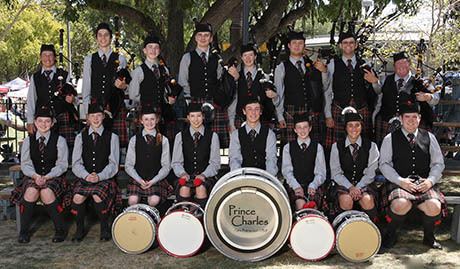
column 59, row 236
column 24, row 238
column 79, row 235
column 432, row 244
column 389, row 240
column 106, row 236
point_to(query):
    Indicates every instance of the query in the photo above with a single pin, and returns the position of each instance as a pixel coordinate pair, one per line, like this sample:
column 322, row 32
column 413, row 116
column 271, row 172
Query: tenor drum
column 248, row 216
column 180, row 232
column 134, row 230
column 357, row 237
column 312, row 236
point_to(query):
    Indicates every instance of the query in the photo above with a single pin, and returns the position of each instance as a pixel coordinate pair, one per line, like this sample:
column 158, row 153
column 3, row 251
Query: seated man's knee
column 432, row 207
column 401, row 206
column 201, row 192
column 133, row 199
column 184, row 191
column 31, row 195
column 97, row 199
column 154, row 200
column 367, row 202
column 345, row 202
column 47, row 196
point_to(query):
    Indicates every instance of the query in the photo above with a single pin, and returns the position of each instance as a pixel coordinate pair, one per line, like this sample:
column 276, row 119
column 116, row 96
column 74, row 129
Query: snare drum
column 357, row 237
column 312, row 236
column 181, row 232
column 134, row 230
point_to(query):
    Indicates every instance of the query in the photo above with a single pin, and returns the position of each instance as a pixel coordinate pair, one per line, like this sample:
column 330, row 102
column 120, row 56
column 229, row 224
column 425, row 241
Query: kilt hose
column 220, row 124
column 161, row 189
column 106, row 190
column 338, row 132
column 58, row 185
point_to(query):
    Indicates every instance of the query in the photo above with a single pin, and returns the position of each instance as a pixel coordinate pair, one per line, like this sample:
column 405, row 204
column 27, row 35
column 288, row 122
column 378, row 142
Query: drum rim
column 368, row 221
column 177, row 255
column 346, row 213
column 153, row 209
column 333, row 241
column 149, row 219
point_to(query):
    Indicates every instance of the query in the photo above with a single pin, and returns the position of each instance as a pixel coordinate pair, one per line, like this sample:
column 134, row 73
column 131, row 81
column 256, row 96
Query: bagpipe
column 171, row 89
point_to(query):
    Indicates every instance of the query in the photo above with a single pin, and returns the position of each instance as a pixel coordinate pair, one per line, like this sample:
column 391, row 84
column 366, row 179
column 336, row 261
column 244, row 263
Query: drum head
column 180, row 234
column 358, row 239
column 312, row 238
column 133, row 231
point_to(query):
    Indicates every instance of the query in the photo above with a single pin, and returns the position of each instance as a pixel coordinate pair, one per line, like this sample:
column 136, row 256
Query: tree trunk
column 174, row 46
column 236, row 26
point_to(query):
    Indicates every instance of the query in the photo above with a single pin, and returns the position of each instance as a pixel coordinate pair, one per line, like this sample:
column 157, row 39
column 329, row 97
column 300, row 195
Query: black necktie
column 303, row 146
column 196, row 138
column 41, row 144
column 149, row 139
column 252, row 135
column 299, row 67
column 354, row 153
column 95, row 137
column 203, row 58
column 411, row 139
column 400, row 83
column 349, row 66
column 156, row 71
column 104, row 60
column 48, row 74
column 249, row 79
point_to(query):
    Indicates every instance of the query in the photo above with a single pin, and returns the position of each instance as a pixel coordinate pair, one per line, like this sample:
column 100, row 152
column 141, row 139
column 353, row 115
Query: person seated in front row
column 148, row 161
column 196, row 158
column 95, row 161
column 412, row 161
column 304, row 166
column 353, row 164
column 253, row 145
column 43, row 162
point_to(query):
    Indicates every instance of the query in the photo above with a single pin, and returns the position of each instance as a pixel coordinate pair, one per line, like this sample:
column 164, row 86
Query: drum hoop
column 306, row 212
column 339, row 218
column 173, row 254
column 333, row 241
column 149, row 219
column 185, row 203
column 151, row 209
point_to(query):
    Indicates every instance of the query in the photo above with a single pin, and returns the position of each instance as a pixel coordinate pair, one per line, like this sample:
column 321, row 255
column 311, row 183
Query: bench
column 455, row 226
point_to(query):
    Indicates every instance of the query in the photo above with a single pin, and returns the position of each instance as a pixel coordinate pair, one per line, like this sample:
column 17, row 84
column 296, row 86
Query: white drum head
column 180, row 234
column 312, row 238
column 133, row 231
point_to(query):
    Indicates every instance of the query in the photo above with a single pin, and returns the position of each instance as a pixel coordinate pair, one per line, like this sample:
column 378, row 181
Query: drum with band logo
column 134, row 230
column 180, row 232
column 357, row 237
column 248, row 216
column 312, row 236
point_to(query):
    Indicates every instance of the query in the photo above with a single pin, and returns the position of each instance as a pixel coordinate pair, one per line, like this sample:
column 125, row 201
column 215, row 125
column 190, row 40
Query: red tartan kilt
column 58, row 185
column 220, row 124
column 381, row 129
column 288, row 134
column 106, row 190
column 120, row 128
column 338, row 132
column 161, row 189
column 320, row 197
column 168, row 129
column 66, row 129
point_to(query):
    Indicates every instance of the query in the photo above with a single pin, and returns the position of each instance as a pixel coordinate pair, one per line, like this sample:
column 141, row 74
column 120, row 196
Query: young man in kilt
column 101, row 82
column 247, row 84
column 148, row 161
column 397, row 89
column 196, row 159
column 253, row 144
column 44, row 85
column 353, row 163
column 412, row 162
column 67, row 116
column 95, row 161
column 304, row 167
column 149, row 83
column 43, row 162
column 299, row 83
column 349, row 84
column 199, row 75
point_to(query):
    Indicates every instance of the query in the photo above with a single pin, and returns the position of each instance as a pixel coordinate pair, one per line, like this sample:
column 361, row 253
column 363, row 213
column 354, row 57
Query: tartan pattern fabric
column 381, row 129
column 338, row 132
column 120, row 128
column 320, row 197
column 107, row 190
column 66, row 129
column 161, row 189
column 59, row 185
column 168, row 129
column 220, row 124
column 288, row 134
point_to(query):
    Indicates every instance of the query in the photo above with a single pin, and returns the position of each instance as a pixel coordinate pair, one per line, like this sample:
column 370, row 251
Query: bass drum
column 248, row 216
column 134, row 230
column 358, row 239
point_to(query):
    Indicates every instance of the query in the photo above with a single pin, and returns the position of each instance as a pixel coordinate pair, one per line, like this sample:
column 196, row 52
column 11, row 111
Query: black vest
column 148, row 158
column 202, row 78
column 43, row 163
column 303, row 162
column 151, row 89
column 353, row 171
column 348, row 85
column 96, row 158
column 196, row 159
column 102, row 78
column 253, row 153
column 408, row 161
column 303, row 91
column 391, row 98
column 46, row 90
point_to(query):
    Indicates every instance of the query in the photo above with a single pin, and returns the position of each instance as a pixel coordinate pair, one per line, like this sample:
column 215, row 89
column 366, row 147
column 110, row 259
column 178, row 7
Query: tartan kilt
column 107, row 190
column 59, row 185
column 161, row 189
column 66, row 129
column 380, row 130
column 208, row 184
column 288, row 134
column 120, row 127
column 220, row 124
column 320, row 197
column 338, row 132
column 168, row 129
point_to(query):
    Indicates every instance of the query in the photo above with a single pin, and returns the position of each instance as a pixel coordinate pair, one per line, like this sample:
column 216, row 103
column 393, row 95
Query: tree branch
column 268, row 24
column 15, row 19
